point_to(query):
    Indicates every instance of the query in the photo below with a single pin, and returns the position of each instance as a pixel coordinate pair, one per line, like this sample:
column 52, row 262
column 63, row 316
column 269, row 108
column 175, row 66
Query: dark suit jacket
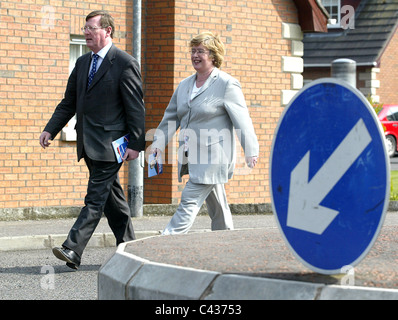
column 110, row 108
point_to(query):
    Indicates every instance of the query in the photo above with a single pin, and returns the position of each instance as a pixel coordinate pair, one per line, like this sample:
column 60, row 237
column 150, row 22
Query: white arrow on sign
column 304, row 211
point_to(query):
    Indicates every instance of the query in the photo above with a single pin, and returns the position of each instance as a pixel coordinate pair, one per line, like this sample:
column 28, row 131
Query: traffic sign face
column 329, row 176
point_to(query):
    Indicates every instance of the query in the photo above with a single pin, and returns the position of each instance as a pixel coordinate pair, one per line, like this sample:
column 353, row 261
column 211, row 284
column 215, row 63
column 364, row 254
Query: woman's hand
column 251, row 161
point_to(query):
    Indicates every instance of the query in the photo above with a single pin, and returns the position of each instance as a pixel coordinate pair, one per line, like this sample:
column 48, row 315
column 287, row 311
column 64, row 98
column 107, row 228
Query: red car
column 388, row 116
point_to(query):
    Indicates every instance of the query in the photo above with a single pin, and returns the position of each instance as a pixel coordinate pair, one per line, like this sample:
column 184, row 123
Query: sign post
column 329, row 176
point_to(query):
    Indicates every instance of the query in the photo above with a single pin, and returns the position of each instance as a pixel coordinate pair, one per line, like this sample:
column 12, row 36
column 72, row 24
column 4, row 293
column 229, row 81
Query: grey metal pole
column 137, row 30
column 345, row 69
column 136, row 167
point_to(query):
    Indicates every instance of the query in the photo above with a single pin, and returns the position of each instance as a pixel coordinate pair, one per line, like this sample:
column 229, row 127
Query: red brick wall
column 388, row 90
column 158, row 62
column 34, row 62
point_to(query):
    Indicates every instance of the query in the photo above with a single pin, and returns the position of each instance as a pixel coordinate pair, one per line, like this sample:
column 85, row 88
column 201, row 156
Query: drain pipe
column 136, row 167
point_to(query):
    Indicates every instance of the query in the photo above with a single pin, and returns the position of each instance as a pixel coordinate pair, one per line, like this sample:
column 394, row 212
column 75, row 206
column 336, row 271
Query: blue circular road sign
column 329, row 176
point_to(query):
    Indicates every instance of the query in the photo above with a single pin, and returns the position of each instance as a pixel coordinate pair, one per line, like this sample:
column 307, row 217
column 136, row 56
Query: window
column 333, row 7
column 77, row 47
column 392, row 114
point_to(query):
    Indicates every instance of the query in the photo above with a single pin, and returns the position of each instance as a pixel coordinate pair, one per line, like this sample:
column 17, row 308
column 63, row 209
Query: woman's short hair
column 212, row 43
column 106, row 19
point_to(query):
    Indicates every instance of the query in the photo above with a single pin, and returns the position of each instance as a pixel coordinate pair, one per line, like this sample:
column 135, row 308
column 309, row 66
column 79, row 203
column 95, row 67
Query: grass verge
column 394, row 186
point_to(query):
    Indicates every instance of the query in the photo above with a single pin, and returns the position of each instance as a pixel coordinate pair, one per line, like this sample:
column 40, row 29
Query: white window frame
column 334, row 22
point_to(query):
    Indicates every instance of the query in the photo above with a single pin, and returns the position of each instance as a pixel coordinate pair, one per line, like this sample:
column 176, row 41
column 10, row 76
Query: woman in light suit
column 206, row 107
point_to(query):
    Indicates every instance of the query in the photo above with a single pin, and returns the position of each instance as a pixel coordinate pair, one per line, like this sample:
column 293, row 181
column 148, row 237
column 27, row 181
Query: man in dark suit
column 105, row 92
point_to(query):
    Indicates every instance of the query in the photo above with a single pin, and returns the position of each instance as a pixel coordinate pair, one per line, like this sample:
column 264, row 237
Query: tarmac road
column 37, row 275
column 394, row 163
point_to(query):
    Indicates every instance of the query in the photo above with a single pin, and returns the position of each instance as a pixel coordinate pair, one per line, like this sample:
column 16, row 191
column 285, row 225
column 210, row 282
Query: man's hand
column 130, row 155
column 45, row 138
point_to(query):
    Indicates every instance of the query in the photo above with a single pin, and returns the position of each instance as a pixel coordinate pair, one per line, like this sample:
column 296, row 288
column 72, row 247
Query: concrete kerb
column 37, row 242
column 25, row 243
column 128, row 277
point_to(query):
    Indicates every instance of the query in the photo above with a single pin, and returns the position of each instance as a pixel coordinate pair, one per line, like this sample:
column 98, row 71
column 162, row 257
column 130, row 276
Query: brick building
column 41, row 39
column 366, row 32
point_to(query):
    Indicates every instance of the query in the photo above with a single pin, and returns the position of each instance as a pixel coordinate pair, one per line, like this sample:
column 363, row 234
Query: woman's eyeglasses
column 198, row 51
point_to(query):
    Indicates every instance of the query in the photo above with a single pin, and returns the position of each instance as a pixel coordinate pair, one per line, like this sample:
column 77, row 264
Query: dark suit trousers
column 104, row 194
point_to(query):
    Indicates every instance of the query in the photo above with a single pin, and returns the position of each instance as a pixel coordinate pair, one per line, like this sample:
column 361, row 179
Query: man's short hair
column 106, row 19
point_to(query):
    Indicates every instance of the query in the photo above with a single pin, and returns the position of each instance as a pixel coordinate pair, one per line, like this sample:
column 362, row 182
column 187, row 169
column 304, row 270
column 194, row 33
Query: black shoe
column 72, row 258
column 72, row 265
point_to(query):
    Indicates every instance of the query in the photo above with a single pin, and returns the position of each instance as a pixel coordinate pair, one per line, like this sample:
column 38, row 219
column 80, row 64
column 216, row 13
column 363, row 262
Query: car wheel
column 391, row 145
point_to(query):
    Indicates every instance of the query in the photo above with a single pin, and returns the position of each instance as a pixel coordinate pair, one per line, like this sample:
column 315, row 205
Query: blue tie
column 93, row 69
